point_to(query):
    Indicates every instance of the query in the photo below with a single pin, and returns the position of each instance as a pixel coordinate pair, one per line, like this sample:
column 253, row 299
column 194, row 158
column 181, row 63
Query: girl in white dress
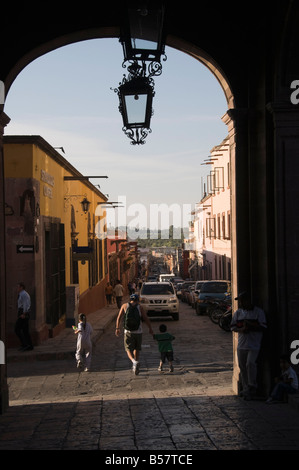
column 84, row 344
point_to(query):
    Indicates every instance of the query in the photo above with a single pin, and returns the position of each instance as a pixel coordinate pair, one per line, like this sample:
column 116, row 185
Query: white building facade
column 211, row 225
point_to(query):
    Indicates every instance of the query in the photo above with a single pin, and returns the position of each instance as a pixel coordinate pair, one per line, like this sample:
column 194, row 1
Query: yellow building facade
column 50, row 240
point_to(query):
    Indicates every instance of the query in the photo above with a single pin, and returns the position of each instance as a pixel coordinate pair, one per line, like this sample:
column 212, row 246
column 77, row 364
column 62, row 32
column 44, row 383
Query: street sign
column 82, row 249
column 25, row 248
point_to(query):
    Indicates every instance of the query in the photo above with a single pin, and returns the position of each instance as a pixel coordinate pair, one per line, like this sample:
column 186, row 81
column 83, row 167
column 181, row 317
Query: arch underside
column 113, row 32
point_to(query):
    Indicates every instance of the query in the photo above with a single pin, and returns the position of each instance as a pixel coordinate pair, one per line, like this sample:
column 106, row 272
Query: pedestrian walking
column 84, row 344
column 249, row 322
column 130, row 288
column 133, row 315
column 108, row 293
column 286, row 384
column 22, row 323
column 118, row 292
column 165, row 347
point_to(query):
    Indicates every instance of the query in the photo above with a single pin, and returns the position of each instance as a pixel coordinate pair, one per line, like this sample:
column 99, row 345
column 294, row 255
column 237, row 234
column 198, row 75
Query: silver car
column 159, row 299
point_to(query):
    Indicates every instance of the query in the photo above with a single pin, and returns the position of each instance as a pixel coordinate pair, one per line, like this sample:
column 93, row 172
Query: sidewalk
column 63, row 346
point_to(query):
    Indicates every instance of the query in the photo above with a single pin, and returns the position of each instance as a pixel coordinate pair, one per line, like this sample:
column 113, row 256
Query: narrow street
column 202, row 362
column 53, row 406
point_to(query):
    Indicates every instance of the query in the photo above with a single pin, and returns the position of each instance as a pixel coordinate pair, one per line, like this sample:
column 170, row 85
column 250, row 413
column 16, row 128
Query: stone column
column 286, row 177
column 265, row 224
column 237, row 123
column 4, row 120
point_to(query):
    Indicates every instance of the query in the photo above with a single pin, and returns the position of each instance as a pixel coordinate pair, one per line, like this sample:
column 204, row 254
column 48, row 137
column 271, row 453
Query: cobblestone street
column 53, row 406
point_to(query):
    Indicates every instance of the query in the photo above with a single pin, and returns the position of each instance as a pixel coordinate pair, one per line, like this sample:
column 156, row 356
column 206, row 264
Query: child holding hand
column 165, row 347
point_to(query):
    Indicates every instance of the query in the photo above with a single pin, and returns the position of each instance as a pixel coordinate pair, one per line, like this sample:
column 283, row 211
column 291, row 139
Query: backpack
column 132, row 318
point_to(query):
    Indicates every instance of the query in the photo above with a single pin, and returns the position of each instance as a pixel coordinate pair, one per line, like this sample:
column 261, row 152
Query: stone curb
column 64, row 345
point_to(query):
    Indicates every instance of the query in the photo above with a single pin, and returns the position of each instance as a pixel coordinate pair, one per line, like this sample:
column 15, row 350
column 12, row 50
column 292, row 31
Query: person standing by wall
column 22, row 323
column 249, row 322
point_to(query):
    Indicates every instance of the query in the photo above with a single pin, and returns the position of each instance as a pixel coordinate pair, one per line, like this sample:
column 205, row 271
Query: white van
column 166, row 277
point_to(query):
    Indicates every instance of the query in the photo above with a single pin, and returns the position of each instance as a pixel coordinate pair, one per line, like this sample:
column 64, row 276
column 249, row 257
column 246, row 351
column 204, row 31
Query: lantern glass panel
column 136, row 106
column 143, row 44
column 142, row 36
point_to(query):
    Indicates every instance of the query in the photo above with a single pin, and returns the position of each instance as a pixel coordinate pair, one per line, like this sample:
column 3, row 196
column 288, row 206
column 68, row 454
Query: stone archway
column 264, row 145
column 173, row 42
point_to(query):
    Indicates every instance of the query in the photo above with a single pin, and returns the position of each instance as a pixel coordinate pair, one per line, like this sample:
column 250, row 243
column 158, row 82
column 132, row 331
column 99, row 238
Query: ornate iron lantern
column 142, row 38
column 142, row 35
column 85, row 205
column 135, row 104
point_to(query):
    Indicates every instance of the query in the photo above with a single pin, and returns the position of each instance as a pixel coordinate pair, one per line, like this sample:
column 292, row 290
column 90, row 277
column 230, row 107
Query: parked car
column 184, row 289
column 189, row 294
column 195, row 293
column 166, row 277
column 177, row 280
column 159, row 299
column 211, row 290
column 177, row 288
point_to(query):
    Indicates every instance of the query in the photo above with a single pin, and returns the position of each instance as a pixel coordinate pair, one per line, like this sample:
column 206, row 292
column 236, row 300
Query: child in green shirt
column 165, row 347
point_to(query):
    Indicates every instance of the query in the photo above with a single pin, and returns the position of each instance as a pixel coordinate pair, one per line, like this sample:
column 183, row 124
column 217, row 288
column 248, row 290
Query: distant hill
column 172, row 237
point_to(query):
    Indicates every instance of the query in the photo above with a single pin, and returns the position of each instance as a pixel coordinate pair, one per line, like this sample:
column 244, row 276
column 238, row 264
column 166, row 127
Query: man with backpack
column 133, row 315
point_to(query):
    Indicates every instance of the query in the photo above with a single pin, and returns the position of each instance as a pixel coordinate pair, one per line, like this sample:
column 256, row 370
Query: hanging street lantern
column 143, row 41
column 135, row 105
column 142, row 35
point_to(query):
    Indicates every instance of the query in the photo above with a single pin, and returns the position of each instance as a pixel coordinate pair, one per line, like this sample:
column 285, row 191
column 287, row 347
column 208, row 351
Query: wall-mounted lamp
column 85, row 205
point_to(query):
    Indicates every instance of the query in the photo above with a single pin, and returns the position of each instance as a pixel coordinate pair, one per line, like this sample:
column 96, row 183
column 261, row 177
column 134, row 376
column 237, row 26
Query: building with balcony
column 211, row 225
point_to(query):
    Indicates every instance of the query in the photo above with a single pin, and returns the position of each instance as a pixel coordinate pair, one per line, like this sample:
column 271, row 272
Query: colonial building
column 212, row 224
column 50, row 237
column 122, row 258
column 209, row 242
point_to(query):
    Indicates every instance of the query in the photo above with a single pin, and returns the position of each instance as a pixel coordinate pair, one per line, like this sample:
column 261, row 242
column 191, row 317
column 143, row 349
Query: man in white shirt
column 118, row 292
column 22, row 323
column 249, row 322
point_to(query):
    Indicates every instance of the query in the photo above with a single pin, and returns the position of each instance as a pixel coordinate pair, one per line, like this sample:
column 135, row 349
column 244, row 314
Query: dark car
column 177, row 288
column 195, row 293
column 184, row 289
column 209, row 291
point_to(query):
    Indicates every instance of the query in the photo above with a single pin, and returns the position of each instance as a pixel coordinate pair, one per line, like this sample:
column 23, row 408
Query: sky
column 66, row 96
